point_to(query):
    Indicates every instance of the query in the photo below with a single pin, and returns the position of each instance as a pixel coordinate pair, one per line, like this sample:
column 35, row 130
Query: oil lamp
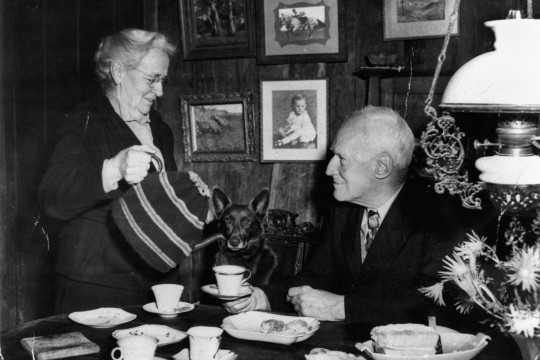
column 506, row 83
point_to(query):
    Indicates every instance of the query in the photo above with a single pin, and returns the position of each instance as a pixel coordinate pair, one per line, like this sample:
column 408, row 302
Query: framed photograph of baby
column 218, row 127
column 409, row 19
column 300, row 31
column 217, row 29
column 294, row 120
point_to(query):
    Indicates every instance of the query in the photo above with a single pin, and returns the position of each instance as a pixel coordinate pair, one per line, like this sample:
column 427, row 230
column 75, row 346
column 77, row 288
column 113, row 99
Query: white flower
column 523, row 321
column 455, row 267
column 472, row 248
column 467, row 282
column 434, row 292
column 524, row 269
column 464, row 304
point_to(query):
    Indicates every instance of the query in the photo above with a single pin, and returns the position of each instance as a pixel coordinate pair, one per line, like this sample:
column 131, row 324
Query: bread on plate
column 404, row 339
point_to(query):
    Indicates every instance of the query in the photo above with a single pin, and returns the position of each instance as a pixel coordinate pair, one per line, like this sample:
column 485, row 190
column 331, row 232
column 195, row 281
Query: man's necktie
column 367, row 233
column 373, row 225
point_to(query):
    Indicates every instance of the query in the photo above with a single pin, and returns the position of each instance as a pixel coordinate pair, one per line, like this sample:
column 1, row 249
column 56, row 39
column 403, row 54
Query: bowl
column 382, row 59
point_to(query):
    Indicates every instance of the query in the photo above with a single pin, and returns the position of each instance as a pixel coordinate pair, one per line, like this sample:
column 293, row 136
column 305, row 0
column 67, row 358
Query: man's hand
column 320, row 304
column 257, row 301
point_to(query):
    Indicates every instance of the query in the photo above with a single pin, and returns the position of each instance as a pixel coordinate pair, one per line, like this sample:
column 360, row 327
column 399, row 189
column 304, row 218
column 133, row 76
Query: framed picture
column 409, row 19
column 214, row 29
column 300, row 31
column 218, row 127
column 294, row 120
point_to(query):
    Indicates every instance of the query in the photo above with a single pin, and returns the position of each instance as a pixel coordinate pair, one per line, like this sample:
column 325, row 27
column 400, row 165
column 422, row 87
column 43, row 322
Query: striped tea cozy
column 162, row 217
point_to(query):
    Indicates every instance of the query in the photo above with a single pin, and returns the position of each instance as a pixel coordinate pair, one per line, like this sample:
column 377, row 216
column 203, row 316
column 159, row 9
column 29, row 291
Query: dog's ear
column 259, row 204
column 220, row 201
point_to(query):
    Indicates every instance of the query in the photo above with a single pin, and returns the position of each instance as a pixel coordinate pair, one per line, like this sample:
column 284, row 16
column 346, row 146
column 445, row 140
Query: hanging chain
column 428, row 109
column 441, row 141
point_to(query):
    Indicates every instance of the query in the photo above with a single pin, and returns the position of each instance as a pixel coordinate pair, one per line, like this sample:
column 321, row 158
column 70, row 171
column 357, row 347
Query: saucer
column 221, row 355
column 102, row 318
column 164, row 334
column 182, row 307
column 213, row 290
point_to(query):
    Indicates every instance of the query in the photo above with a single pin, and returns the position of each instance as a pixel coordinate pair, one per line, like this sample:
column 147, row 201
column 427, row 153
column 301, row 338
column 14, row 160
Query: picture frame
column 218, row 127
column 217, row 29
column 417, row 19
column 285, row 133
column 290, row 31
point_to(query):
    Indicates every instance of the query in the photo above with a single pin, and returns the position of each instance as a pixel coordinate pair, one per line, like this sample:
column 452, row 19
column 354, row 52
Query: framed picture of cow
column 300, row 31
column 217, row 29
column 218, row 127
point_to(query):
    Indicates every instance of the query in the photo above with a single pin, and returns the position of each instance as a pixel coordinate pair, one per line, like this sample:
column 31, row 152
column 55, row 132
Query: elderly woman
column 109, row 143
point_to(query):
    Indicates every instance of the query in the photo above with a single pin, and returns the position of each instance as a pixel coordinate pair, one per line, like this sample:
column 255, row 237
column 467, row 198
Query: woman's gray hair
column 384, row 130
column 128, row 46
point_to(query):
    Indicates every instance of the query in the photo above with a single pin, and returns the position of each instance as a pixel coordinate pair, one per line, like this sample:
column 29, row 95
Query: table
column 331, row 335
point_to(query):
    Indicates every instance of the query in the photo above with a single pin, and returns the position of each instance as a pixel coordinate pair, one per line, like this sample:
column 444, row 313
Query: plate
column 165, row 335
column 212, row 290
column 102, row 317
column 221, row 355
column 182, row 307
column 456, row 346
column 247, row 326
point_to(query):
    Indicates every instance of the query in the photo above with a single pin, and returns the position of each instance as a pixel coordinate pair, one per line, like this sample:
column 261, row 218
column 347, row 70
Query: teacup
column 229, row 278
column 167, row 296
column 135, row 347
column 204, row 342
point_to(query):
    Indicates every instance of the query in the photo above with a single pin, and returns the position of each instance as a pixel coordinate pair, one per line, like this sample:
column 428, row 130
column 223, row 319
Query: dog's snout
column 234, row 241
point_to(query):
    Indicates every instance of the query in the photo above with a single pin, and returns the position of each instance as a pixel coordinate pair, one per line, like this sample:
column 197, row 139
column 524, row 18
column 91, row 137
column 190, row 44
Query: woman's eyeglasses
column 154, row 79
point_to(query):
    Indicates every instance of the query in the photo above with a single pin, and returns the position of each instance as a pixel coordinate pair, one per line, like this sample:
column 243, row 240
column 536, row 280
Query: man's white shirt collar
column 383, row 209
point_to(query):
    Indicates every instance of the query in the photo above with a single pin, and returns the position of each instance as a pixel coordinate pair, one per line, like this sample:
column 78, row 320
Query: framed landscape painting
column 214, row 29
column 409, row 19
column 218, row 127
column 300, row 31
column 294, row 120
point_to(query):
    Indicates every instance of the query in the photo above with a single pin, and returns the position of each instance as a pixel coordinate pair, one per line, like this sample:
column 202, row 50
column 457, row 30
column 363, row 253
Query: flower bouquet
column 513, row 303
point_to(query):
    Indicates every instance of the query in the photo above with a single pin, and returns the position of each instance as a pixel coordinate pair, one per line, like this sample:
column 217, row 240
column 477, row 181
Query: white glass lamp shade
column 509, row 170
column 504, row 80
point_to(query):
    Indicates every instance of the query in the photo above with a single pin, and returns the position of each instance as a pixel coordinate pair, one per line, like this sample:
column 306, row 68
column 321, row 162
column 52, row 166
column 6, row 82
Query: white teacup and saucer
column 182, row 307
column 168, row 302
column 204, row 343
column 230, row 282
column 221, row 355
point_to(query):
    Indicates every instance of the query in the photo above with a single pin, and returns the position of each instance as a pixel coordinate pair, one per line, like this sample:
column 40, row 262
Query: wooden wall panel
column 9, row 259
column 30, row 128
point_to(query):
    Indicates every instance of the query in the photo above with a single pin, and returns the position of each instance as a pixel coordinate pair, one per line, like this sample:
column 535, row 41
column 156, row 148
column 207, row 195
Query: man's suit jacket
column 418, row 231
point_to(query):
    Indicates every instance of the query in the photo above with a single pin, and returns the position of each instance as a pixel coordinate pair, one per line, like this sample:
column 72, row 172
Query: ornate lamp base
column 514, row 199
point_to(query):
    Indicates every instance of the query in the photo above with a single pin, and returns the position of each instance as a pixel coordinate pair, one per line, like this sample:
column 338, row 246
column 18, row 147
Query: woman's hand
column 132, row 163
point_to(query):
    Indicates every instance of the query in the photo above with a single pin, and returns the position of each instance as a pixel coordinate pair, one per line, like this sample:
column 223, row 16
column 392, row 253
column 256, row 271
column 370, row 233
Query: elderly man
column 384, row 237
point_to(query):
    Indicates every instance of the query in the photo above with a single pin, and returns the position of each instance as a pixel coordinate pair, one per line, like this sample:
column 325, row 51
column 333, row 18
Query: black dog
column 243, row 243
